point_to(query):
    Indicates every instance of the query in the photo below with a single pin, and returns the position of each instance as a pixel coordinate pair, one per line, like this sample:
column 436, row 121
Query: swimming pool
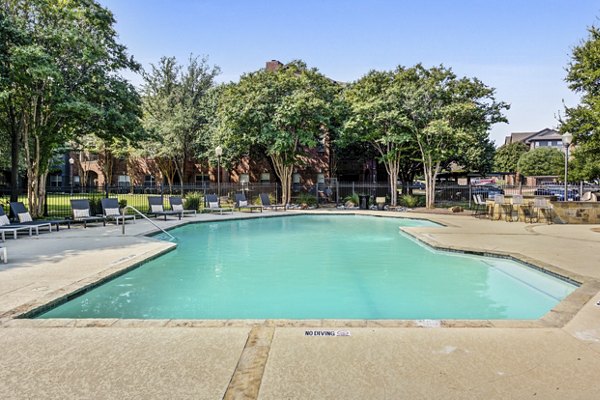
column 317, row 266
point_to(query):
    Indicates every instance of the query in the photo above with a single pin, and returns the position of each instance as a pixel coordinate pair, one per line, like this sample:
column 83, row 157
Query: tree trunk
column 284, row 172
column 15, row 151
column 393, row 180
column 431, row 173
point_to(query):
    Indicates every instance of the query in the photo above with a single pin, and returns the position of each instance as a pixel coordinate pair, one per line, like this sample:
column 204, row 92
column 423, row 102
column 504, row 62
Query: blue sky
column 521, row 48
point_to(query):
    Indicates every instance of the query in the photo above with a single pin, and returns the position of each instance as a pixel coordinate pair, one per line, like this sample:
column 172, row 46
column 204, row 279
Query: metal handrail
column 146, row 218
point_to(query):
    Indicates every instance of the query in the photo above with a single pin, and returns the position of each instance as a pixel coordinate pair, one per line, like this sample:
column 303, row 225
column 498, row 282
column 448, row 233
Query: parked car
column 557, row 191
column 418, row 185
column 487, row 190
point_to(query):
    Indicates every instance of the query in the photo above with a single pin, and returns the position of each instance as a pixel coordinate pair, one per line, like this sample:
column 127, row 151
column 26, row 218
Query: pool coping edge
column 560, row 315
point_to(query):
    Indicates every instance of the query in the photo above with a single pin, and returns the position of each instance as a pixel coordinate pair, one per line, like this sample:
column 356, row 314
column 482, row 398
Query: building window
column 149, row 180
column 55, row 180
column 200, row 179
column 244, row 178
column 320, row 178
column 265, row 177
column 296, row 178
column 123, row 180
column 76, row 179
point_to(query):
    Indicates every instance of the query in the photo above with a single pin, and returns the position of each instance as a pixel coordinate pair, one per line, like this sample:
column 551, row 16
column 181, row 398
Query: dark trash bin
column 363, row 201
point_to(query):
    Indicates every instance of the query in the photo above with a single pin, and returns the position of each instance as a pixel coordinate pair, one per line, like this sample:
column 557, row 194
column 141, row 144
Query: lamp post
column 567, row 138
column 71, row 162
column 219, row 153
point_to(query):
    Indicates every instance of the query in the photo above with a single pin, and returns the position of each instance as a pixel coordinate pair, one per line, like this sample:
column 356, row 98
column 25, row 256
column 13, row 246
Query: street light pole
column 71, row 162
column 219, row 153
column 567, row 138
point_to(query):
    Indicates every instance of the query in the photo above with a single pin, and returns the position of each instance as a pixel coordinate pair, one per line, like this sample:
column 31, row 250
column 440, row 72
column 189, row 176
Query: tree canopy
column 374, row 118
column 178, row 110
column 508, row 155
column 63, row 64
column 543, row 161
column 282, row 112
column 446, row 115
column 583, row 120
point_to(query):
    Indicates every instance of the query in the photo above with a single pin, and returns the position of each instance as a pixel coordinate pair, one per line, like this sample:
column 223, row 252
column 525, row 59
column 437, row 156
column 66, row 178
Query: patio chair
column 499, row 204
column 589, row 196
column 512, row 209
column 157, row 209
column 212, row 204
column 177, row 205
column 81, row 213
column 7, row 227
column 480, row 206
column 110, row 210
column 20, row 212
column 529, row 214
column 266, row 203
column 242, row 202
column 541, row 206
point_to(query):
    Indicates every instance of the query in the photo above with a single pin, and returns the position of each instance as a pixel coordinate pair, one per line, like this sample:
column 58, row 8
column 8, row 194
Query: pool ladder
column 147, row 219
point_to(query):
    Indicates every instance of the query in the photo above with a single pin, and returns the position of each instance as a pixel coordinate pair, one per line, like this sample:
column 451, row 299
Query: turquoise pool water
column 304, row 267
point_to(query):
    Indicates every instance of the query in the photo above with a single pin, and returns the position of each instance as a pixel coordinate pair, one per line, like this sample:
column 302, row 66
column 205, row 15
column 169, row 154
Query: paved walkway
column 123, row 359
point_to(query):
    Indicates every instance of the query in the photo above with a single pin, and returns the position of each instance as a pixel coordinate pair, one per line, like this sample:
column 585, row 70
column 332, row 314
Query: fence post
column 46, row 203
column 470, row 193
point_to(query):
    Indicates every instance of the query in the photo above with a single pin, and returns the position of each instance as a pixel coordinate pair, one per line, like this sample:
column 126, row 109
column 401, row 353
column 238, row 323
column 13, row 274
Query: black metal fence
column 330, row 192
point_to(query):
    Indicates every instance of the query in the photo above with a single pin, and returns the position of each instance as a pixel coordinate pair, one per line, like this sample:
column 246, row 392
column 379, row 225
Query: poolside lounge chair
column 20, row 211
column 212, row 204
column 242, row 202
column 110, row 210
column 81, row 213
column 177, row 205
column 157, row 209
column 7, row 227
column 266, row 203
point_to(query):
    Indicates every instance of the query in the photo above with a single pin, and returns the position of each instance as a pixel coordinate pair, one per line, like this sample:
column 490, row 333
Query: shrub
column 410, row 201
column 353, row 198
column 122, row 203
column 193, row 201
column 95, row 205
column 307, row 198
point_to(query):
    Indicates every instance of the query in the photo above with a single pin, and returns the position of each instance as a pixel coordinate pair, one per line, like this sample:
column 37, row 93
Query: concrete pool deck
column 120, row 359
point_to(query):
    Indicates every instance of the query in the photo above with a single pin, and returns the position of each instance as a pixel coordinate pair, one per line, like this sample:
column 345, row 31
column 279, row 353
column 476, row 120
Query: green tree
column 281, row 112
column 64, row 82
column 445, row 116
column 508, row 155
column 375, row 118
column 477, row 155
column 11, row 36
column 178, row 111
column 583, row 121
column 543, row 161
